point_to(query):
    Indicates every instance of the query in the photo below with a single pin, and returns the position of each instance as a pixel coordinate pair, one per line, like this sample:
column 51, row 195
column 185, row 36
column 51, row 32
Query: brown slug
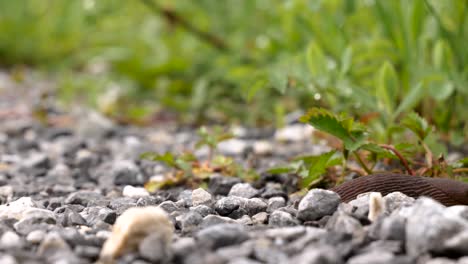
column 446, row 191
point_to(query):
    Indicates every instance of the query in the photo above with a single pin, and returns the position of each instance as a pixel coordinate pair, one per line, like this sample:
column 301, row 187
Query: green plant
column 211, row 139
column 188, row 169
column 356, row 144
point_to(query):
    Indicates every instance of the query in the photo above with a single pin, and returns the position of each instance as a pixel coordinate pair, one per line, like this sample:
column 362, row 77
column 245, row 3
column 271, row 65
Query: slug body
column 446, row 191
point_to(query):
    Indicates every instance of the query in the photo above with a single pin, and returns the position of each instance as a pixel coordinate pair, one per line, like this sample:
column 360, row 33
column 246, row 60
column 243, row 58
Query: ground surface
column 64, row 184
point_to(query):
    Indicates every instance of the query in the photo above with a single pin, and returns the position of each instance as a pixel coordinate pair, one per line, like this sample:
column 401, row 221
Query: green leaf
column 379, row 151
column 410, row 100
column 318, row 167
column 346, row 60
column 352, row 134
column 442, row 56
column 387, row 88
column 417, row 125
column 280, row 170
column 316, row 60
column 167, row 158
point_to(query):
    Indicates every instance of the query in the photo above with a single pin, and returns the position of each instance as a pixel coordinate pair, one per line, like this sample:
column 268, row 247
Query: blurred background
column 249, row 62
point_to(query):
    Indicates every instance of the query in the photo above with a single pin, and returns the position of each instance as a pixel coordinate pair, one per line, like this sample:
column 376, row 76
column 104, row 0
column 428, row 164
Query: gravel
column 66, row 192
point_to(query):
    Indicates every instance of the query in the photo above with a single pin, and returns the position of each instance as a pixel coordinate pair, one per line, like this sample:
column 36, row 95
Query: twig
column 460, row 170
column 174, row 18
column 398, row 154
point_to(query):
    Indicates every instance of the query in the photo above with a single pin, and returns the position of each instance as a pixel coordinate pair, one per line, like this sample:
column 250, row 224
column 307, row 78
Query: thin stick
column 175, row 18
column 398, row 154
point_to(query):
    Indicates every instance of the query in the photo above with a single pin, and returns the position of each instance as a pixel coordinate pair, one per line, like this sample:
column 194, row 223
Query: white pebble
column 134, row 192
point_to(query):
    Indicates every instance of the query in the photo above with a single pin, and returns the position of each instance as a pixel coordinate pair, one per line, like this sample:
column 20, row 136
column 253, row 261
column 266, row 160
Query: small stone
column 200, row 197
column 183, row 247
column 244, row 190
column 36, row 236
column 396, row 200
column 254, row 206
column 227, row 205
column 282, row 219
column 89, row 252
column 440, row 261
column 134, row 192
column 221, row 185
column 71, row 218
column 10, row 240
column 203, row 210
column 245, row 220
column 222, row 235
column 393, row 227
column 53, row 247
column 16, row 209
column 376, row 257
column 169, row 206
column 286, row 233
column 294, row 133
column 189, row 221
column 94, row 214
column 232, row 146
column 126, row 172
column 343, row 223
column 184, row 199
column 7, row 259
column 428, row 228
column 121, row 204
column 154, row 248
column 317, row 203
column 133, row 226
column 320, row 254
column 86, row 198
column 211, row 220
column 262, row 147
column 260, row 218
column 458, row 243
column 37, row 161
column 6, row 192
column 34, row 219
column 275, row 203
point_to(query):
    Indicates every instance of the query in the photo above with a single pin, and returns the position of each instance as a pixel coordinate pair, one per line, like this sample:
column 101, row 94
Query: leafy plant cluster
column 189, row 170
column 251, row 60
column 413, row 152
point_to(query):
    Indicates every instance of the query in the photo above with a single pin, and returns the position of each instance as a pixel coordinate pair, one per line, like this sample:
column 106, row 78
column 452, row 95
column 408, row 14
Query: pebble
column 201, row 197
column 244, row 190
column 134, row 192
column 282, row 219
column 222, row 235
column 10, row 240
column 316, row 204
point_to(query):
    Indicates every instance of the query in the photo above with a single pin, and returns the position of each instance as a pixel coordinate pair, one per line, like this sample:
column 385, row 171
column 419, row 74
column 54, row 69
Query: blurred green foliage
column 375, row 59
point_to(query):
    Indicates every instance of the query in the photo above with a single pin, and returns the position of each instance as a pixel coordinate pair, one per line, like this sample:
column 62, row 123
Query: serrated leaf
column 379, row 151
column 417, row 125
column 387, row 88
column 352, row 134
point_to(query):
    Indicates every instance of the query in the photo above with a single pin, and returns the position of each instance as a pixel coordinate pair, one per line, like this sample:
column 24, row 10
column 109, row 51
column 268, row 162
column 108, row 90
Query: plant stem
column 363, row 165
column 173, row 17
column 398, row 154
